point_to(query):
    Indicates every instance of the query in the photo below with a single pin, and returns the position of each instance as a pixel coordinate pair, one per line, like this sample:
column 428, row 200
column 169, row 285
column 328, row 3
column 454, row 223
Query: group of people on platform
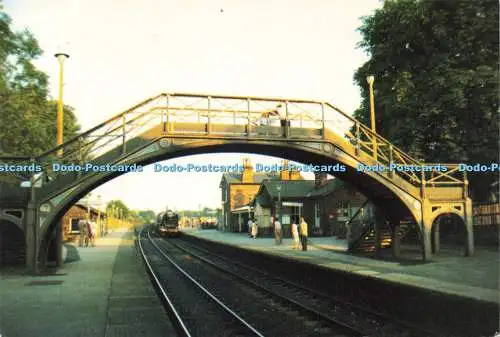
column 299, row 232
column 88, row 232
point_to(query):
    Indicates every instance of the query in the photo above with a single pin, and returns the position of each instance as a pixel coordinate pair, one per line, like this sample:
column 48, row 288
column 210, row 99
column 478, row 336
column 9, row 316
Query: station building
column 77, row 212
column 326, row 204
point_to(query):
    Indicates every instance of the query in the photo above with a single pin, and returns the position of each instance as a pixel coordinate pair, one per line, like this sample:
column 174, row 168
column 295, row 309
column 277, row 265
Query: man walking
column 303, row 233
column 82, row 227
column 277, row 231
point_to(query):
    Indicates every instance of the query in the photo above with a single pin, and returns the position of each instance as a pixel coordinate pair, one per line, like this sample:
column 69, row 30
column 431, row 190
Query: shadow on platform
column 72, row 254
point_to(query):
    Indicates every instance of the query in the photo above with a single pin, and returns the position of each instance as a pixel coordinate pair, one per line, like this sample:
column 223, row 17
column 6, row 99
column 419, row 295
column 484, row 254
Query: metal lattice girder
column 108, row 141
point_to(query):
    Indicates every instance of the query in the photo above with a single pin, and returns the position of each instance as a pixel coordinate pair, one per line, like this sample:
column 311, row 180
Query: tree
column 436, row 87
column 118, row 209
column 28, row 117
column 147, row 216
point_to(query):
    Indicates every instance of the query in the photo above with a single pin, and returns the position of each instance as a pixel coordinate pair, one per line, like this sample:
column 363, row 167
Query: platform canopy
column 244, row 209
column 292, row 204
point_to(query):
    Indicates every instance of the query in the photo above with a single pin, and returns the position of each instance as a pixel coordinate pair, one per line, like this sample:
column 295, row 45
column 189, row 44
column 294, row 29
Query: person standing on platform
column 250, row 224
column 277, row 231
column 254, row 230
column 82, row 227
column 295, row 235
column 303, row 233
column 92, row 232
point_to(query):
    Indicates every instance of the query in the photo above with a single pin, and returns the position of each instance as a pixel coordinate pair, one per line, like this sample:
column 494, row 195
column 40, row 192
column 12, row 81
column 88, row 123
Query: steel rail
column 259, row 287
column 207, row 292
column 300, row 287
column 158, row 284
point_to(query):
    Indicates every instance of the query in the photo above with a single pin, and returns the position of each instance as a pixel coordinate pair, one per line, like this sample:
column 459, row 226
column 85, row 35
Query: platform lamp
column 87, row 204
column 60, row 106
column 99, row 222
column 370, row 79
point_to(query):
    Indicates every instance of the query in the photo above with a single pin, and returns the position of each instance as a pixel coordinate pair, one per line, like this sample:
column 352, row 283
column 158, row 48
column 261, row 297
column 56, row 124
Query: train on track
column 167, row 223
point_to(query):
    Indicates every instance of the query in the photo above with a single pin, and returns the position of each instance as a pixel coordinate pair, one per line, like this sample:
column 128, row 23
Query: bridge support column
column 436, row 235
column 58, row 245
column 31, row 237
column 426, row 243
column 395, row 241
column 469, row 228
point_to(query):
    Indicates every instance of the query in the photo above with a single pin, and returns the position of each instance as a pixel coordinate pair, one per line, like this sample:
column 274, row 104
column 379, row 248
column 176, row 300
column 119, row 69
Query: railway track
column 322, row 306
column 270, row 315
column 194, row 309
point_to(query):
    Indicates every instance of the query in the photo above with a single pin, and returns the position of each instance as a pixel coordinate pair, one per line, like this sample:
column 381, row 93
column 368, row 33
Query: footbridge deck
column 176, row 124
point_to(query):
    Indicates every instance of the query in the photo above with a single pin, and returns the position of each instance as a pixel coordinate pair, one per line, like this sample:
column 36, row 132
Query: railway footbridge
column 171, row 125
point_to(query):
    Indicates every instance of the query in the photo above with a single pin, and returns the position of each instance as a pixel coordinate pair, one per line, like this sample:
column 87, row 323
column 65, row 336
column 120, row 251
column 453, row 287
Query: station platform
column 99, row 291
column 474, row 277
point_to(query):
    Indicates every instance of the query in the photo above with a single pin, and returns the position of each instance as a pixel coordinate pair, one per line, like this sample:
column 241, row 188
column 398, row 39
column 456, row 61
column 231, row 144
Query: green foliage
column 118, row 209
column 27, row 115
column 436, row 80
column 146, row 216
column 205, row 212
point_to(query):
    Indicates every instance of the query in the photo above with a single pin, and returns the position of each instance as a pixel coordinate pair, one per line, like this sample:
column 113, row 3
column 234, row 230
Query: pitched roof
column 301, row 188
column 329, row 187
column 92, row 209
column 289, row 188
column 258, row 178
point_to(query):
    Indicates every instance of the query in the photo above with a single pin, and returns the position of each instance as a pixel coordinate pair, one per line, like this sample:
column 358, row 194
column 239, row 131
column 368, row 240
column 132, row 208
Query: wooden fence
column 487, row 214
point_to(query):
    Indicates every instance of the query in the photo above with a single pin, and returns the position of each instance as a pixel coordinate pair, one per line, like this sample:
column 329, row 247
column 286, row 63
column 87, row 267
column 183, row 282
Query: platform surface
column 100, row 291
column 475, row 277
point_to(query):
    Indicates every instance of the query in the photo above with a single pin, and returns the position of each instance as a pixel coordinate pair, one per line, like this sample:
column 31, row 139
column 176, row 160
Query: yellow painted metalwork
column 217, row 119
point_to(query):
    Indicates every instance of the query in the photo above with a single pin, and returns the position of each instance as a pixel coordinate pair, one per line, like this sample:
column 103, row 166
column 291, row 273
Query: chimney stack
column 247, row 174
column 284, row 173
column 320, row 179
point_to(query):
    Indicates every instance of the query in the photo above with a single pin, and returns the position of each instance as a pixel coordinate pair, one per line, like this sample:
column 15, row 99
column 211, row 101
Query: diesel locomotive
column 167, row 223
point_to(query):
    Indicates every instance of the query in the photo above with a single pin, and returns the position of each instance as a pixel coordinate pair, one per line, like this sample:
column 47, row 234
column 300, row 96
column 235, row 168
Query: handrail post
column 288, row 121
column 390, row 161
column 167, row 128
column 124, row 134
column 248, row 117
column 358, row 139
column 209, row 125
column 323, row 120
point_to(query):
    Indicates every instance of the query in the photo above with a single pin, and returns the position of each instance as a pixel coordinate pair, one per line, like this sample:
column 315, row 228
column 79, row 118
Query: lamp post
column 370, row 79
column 99, row 222
column 60, row 112
column 87, row 203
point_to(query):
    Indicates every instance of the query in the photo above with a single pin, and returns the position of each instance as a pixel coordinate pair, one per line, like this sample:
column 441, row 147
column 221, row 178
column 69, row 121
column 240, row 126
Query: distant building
column 69, row 222
column 326, row 205
column 239, row 189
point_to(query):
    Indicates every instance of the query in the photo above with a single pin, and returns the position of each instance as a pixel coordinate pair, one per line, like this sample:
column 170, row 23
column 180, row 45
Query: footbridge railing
column 251, row 114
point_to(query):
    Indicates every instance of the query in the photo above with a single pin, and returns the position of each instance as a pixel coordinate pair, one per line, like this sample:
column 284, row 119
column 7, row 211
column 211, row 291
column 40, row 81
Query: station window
column 74, row 226
column 317, row 215
column 295, row 214
column 343, row 208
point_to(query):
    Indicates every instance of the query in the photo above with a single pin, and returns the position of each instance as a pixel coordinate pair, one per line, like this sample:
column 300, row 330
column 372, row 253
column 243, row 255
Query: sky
column 124, row 51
